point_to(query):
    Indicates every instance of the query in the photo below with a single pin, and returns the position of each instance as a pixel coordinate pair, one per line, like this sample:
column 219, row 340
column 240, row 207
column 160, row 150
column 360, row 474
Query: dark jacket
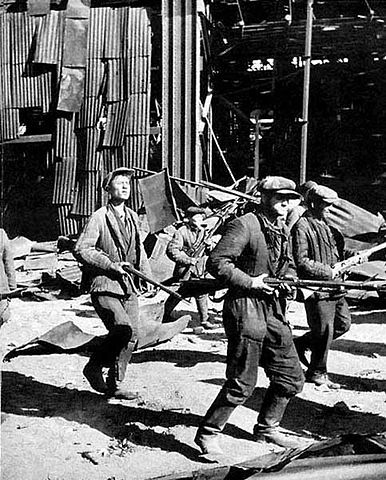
column 7, row 270
column 316, row 247
column 103, row 243
column 244, row 252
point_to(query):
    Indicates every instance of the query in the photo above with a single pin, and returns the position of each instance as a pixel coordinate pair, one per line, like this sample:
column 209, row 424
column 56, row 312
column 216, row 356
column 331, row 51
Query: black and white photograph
column 193, row 239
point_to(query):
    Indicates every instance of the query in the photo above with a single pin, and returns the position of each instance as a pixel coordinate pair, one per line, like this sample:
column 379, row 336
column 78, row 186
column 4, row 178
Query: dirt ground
column 55, row 427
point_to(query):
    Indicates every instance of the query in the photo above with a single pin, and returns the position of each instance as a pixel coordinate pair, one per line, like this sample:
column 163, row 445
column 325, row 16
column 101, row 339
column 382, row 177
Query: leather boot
column 202, row 307
column 270, row 416
column 301, row 345
column 116, row 375
column 93, row 372
column 207, row 436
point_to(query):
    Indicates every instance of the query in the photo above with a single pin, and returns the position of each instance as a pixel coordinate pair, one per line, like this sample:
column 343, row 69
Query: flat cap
column 279, row 185
column 118, row 171
column 326, row 194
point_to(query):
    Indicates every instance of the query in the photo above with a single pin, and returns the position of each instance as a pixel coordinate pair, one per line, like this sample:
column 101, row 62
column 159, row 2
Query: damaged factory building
column 212, row 90
column 208, row 109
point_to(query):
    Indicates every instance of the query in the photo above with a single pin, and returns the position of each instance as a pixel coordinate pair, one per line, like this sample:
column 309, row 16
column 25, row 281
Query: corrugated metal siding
column 116, row 66
column 49, row 38
column 88, row 142
column 117, row 120
column 10, row 124
column 67, row 224
column 180, row 96
column 65, row 138
column 64, row 187
column 88, row 193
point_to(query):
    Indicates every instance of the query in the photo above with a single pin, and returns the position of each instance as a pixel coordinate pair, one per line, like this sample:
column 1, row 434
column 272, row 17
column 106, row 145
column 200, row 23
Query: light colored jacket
column 7, row 270
column 103, row 244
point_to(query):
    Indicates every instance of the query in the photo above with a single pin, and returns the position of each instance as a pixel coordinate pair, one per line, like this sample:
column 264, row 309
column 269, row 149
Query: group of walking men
column 253, row 246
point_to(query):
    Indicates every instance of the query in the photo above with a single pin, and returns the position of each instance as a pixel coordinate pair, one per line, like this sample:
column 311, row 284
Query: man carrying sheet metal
column 254, row 246
column 316, row 248
column 110, row 238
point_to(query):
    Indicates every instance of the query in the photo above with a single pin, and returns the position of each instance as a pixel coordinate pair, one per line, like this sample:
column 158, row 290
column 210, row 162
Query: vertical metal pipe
column 306, row 91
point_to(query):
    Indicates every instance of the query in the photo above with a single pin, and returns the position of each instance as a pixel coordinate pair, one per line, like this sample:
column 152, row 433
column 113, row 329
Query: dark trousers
column 120, row 317
column 257, row 334
column 328, row 319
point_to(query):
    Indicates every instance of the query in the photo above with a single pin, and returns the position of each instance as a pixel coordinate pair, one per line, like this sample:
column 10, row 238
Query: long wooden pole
column 306, row 91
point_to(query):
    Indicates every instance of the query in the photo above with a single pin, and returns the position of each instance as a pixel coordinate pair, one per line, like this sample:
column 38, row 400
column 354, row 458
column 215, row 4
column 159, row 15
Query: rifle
column 221, row 215
column 195, row 287
column 130, row 269
column 357, row 259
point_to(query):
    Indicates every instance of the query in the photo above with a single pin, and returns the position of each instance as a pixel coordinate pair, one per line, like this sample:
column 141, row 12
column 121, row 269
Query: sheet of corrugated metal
column 75, row 42
column 10, row 124
column 117, row 81
column 180, row 95
column 31, row 85
column 67, row 225
column 87, row 198
column 139, row 113
column 22, row 28
column 90, row 112
column 115, row 30
column 139, row 74
column 94, row 77
column 66, row 139
column 88, row 142
column 96, row 39
column 64, row 186
column 71, row 90
column 112, row 159
column 136, row 151
column 8, row 101
column 139, row 32
column 5, row 44
column 117, row 120
column 49, row 38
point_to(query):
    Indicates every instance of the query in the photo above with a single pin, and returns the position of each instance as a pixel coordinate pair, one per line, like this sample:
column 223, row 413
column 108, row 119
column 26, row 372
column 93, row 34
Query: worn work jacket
column 316, row 247
column 7, row 270
column 181, row 248
column 246, row 251
column 105, row 240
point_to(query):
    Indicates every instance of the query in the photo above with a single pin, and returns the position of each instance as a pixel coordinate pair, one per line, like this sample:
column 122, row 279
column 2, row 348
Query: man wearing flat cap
column 110, row 238
column 316, row 248
column 181, row 249
column 252, row 247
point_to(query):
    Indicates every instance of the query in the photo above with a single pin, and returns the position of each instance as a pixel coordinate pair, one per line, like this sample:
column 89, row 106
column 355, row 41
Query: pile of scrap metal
column 346, row 457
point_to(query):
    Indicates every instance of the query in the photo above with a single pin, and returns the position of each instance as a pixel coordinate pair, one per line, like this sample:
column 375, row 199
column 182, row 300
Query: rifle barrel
column 130, row 269
column 331, row 284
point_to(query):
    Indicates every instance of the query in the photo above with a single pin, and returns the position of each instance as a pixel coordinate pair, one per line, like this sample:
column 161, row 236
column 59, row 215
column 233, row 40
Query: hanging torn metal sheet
column 49, row 38
column 64, row 186
column 117, row 79
column 22, row 29
column 116, row 126
column 65, row 138
column 90, row 112
column 139, row 74
column 95, row 45
column 38, row 7
column 95, row 72
column 71, row 89
column 139, row 114
column 75, row 42
column 31, row 85
column 116, row 25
